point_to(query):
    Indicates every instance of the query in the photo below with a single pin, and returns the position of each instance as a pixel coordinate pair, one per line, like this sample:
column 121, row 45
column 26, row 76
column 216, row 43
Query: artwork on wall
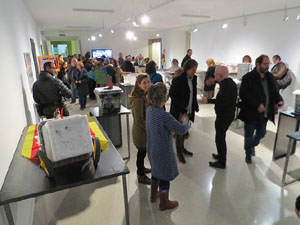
column 48, row 58
column 29, row 70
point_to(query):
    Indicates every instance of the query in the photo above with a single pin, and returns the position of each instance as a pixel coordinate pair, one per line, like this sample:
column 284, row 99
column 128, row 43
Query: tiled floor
column 240, row 195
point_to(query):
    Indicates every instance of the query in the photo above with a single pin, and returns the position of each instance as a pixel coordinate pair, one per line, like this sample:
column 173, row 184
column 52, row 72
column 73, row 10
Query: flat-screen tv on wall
column 98, row 53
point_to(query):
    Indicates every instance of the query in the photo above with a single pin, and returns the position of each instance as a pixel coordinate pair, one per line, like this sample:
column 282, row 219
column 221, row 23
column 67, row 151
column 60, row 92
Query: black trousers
column 179, row 143
column 222, row 124
column 92, row 86
column 141, row 154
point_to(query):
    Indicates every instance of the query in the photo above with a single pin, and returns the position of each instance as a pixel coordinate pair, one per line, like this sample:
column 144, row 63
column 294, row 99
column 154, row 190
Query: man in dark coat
column 127, row 66
column 259, row 96
column 187, row 57
column 183, row 94
column 225, row 104
column 48, row 92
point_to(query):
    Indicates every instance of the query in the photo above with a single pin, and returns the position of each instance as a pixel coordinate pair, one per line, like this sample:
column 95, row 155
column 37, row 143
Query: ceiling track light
column 285, row 16
column 195, row 30
column 245, row 20
column 135, row 24
column 130, row 35
column 157, row 35
column 93, row 38
column 145, row 19
column 224, row 26
column 298, row 17
column 112, row 31
column 100, row 35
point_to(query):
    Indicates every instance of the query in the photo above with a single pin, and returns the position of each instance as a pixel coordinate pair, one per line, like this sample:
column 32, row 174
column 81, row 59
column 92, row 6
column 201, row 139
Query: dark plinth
column 111, row 123
column 288, row 123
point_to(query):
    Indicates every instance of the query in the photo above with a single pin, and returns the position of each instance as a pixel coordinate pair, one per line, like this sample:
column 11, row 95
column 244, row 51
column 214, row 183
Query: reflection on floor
column 240, row 195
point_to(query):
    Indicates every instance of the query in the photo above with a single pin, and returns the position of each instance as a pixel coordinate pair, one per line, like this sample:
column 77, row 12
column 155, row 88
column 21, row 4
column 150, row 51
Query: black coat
column 186, row 58
column 73, row 73
column 252, row 95
column 180, row 95
column 128, row 67
column 83, row 87
column 48, row 92
column 210, row 73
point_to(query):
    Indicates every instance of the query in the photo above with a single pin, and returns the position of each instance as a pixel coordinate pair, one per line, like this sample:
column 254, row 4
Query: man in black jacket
column 183, row 94
column 259, row 95
column 225, row 110
column 48, row 92
column 187, row 57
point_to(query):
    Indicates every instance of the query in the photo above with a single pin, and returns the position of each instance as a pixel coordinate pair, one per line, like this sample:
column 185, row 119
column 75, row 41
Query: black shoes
column 217, row 164
column 181, row 158
column 248, row 159
column 188, row 153
column 144, row 179
column 215, row 156
column 147, row 170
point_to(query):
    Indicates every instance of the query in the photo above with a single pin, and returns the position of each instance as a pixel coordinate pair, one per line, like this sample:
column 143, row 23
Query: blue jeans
column 73, row 89
column 82, row 101
column 252, row 139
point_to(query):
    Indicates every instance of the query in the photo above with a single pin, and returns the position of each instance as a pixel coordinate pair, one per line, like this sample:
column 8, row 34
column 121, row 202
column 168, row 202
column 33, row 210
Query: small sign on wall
column 29, row 71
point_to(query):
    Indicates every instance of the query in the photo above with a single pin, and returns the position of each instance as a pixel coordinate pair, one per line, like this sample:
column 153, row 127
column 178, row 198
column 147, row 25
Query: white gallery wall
column 16, row 28
column 263, row 34
column 174, row 41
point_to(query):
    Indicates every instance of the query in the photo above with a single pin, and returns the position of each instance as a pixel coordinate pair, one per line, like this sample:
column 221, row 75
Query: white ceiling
column 59, row 14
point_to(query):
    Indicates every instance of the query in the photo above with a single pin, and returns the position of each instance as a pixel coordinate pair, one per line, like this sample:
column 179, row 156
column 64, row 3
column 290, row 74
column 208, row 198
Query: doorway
column 155, row 51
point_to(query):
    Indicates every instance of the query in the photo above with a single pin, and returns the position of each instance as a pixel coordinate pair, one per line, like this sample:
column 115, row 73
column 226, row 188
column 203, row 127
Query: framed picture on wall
column 48, row 58
column 29, row 70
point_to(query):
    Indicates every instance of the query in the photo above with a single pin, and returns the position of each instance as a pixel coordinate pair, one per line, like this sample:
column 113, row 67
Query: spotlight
column 145, row 19
column 112, row 31
column 298, row 17
column 245, row 20
column 100, row 35
column 195, row 30
column 157, row 35
column 135, row 24
column 224, row 26
column 93, row 38
column 135, row 38
column 130, row 35
column 89, row 39
column 285, row 16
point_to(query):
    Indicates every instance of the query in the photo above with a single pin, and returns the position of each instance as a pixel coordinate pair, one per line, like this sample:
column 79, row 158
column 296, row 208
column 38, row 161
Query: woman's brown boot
column 165, row 203
column 154, row 190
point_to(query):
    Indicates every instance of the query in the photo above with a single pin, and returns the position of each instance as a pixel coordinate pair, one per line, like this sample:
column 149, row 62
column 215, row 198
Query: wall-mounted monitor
column 98, row 53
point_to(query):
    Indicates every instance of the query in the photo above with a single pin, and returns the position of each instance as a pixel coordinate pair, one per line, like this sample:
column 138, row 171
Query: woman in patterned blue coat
column 159, row 126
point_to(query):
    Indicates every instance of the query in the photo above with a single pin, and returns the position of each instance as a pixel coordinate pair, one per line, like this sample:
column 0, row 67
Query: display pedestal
column 287, row 124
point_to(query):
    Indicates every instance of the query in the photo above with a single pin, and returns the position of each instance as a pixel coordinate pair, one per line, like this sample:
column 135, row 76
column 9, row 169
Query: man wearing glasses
column 259, row 95
column 48, row 92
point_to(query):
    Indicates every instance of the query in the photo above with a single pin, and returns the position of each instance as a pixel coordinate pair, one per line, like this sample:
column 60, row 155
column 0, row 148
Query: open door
column 155, row 51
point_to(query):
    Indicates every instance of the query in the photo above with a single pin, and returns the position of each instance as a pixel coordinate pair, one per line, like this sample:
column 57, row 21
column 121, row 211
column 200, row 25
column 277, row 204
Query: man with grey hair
column 225, row 104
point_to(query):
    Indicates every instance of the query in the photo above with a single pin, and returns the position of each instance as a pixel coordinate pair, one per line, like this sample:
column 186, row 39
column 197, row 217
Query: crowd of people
column 153, row 127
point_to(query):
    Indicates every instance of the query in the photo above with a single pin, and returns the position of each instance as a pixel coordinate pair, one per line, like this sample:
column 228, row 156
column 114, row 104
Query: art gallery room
column 150, row 112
